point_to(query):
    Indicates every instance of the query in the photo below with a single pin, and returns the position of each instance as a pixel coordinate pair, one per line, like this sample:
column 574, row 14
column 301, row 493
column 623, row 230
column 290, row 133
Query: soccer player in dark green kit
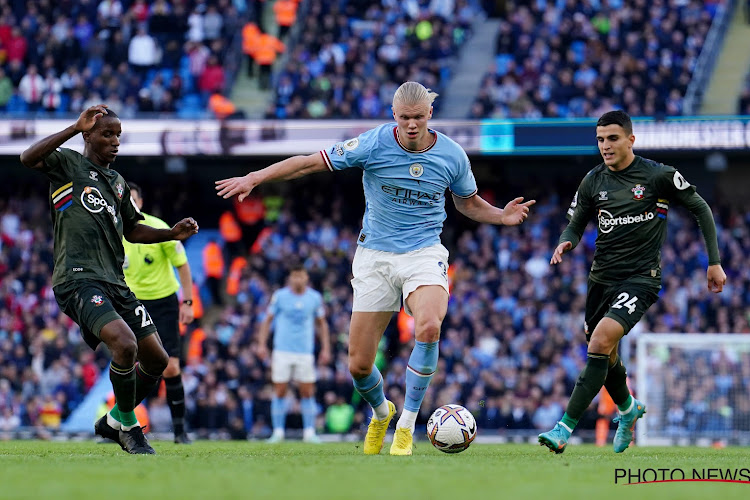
column 91, row 210
column 629, row 196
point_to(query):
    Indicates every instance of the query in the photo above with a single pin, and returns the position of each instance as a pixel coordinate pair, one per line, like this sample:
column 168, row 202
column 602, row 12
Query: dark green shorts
column 92, row 304
column 625, row 302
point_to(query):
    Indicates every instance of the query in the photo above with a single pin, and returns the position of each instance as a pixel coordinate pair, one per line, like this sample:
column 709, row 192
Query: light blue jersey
column 404, row 190
column 294, row 319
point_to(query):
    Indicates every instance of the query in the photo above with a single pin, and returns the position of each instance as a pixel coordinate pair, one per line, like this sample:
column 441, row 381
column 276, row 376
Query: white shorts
column 382, row 280
column 286, row 366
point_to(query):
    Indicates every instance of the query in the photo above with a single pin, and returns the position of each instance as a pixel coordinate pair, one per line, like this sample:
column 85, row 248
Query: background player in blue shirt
column 407, row 169
column 295, row 311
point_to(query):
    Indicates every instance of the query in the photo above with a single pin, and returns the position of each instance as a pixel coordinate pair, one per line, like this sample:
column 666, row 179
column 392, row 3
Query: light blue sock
column 371, row 387
column 422, row 365
column 278, row 413
column 309, row 410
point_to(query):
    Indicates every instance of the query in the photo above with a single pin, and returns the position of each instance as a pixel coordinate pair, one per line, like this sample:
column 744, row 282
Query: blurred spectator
column 265, row 53
column 32, row 87
column 339, row 415
column 286, row 15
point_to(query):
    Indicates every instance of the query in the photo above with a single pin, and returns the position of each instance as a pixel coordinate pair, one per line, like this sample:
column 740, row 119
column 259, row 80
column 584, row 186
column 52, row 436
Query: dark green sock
column 115, row 412
column 588, row 385
column 144, row 383
column 123, row 385
column 617, row 383
column 126, row 419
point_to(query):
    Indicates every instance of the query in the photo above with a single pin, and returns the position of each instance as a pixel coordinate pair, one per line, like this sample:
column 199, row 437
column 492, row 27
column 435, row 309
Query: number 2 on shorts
column 146, row 319
column 621, row 301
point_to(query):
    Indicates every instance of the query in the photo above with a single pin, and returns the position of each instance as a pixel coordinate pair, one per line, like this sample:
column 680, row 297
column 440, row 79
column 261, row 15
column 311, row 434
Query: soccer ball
column 451, row 428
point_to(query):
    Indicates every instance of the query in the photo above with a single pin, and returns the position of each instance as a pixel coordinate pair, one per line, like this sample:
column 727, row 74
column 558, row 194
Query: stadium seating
column 351, row 56
column 573, row 58
column 111, row 51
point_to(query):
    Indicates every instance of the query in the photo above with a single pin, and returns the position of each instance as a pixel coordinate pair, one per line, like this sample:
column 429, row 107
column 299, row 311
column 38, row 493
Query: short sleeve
column 273, row 306
column 351, row 153
column 672, row 185
column 175, row 252
column 463, row 184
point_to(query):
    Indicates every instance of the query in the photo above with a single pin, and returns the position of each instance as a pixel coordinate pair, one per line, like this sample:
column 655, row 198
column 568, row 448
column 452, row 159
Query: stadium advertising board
column 572, row 137
column 490, row 137
column 230, row 138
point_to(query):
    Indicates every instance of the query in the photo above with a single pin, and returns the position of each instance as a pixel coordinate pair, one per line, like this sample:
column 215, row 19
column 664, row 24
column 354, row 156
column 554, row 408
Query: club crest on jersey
column 97, row 300
column 120, row 190
column 93, row 175
column 603, row 196
column 638, row 192
column 416, row 170
column 351, row 144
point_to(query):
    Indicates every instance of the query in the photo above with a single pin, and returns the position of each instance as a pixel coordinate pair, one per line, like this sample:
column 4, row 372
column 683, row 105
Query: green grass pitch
column 292, row 470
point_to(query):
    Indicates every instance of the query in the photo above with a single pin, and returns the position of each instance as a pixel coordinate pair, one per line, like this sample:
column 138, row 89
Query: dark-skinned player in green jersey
column 630, row 197
column 91, row 211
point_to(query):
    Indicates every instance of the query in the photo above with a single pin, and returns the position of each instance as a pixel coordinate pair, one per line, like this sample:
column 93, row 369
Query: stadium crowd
column 579, row 58
column 511, row 345
column 351, row 56
column 159, row 56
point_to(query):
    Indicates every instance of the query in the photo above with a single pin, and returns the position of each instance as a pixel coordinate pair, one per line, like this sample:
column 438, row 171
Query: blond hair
column 413, row 93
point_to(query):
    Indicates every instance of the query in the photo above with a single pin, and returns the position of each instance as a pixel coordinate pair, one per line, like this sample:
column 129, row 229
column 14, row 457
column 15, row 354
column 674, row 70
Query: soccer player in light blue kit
column 407, row 170
column 295, row 311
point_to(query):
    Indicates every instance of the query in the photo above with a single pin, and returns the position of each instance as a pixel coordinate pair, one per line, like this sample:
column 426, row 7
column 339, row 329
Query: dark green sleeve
column 672, row 185
column 579, row 214
column 702, row 213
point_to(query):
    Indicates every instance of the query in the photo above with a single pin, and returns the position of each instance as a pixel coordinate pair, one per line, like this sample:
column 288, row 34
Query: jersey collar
column 398, row 141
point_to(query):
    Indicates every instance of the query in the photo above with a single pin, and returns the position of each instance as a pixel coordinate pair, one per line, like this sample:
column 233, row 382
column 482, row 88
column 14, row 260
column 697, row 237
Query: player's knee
column 359, row 369
column 428, row 330
column 124, row 349
column 600, row 345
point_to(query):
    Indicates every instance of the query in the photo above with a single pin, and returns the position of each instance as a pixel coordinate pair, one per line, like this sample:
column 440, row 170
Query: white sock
column 126, row 428
column 112, row 422
column 278, row 432
column 381, row 411
column 565, row 427
column 308, row 433
column 408, row 420
column 632, row 402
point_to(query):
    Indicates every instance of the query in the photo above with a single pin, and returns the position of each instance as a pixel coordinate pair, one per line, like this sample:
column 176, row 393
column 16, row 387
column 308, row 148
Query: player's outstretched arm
column 476, row 208
column 562, row 248
column 34, row 156
column 291, row 168
column 141, row 233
